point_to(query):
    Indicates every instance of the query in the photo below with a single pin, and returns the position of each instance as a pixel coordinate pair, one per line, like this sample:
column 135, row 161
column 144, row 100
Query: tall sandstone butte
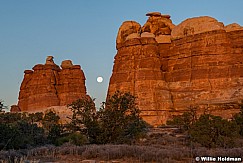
column 170, row 68
column 49, row 86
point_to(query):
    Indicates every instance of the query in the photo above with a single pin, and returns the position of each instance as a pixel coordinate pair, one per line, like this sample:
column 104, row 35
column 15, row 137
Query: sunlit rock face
column 49, row 85
column 196, row 25
column 170, row 68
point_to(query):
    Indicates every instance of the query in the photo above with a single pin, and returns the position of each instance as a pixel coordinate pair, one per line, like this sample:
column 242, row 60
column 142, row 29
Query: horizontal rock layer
column 203, row 68
column 49, row 85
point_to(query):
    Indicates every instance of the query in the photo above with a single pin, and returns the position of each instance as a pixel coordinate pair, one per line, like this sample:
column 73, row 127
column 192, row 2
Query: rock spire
column 172, row 67
column 49, row 85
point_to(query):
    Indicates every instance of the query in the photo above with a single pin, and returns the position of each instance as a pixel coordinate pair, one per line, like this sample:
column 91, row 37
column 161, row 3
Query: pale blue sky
column 83, row 31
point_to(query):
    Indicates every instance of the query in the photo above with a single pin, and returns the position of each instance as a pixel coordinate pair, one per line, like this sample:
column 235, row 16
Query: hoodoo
column 170, row 68
column 49, row 85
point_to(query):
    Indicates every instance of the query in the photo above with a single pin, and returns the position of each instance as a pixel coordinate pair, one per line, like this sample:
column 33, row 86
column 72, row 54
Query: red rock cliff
column 49, row 85
column 169, row 68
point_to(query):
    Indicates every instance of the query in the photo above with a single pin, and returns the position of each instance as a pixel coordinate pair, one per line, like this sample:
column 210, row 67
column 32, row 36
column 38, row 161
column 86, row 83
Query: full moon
column 99, row 79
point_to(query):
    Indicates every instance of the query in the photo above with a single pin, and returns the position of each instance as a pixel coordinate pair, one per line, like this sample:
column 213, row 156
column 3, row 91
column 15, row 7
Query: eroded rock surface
column 128, row 29
column 158, row 24
column 49, row 60
column 49, row 85
column 196, row 25
column 233, row 27
column 66, row 64
column 170, row 68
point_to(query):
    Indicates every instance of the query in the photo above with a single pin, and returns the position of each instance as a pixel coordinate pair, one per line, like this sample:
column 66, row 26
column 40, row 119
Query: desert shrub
column 22, row 135
column 10, row 118
column 23, row 130
column 213, row 131
column 30, row 135
column 34, row 117
column 238, row 119
column 120, row 120
column 85, row 119
column 56, row 132
column 208, row 130
column 117, row 121
column 185, row 120
column 7, row 133
column 49, row 120
column 73, row 138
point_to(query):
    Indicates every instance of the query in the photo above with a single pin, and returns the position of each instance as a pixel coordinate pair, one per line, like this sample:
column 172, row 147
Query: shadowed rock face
column 169, row 68
column 49, row 85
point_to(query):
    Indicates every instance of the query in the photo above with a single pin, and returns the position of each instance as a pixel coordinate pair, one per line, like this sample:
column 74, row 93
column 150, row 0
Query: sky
column 83, row 31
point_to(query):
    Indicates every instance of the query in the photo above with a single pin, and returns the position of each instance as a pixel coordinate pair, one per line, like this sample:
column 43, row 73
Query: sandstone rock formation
column 233, row 27
column 15, row 108
column 66, row 64
column 49, row 60
column 170, row 68
column 196, row 25
column 159, row 25
column 137, row 67
column 128, row 29
column 49, row 85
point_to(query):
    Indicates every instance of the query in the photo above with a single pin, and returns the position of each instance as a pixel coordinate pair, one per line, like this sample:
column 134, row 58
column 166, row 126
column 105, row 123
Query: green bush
column 186, row 120
column 73, row 138
column 238, row 119
column 10, row 118
column 213, row 131
column 118, row 121
column 55, row 133
column 49, row 120
column 20, row 136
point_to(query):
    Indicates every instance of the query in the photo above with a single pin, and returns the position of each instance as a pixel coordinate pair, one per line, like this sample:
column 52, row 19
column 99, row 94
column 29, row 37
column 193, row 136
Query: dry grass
column 115, row 152
column 98, row 152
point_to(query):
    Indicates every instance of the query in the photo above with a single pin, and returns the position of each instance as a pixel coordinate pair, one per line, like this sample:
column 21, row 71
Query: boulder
column 15, row 108
column 154, row 14
column 132, row 36
column 147, row 34
column 196, row 25
column 233, row 27
column 66, row 64
column 49, row 60
column 158, row 24
column 127, row 28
